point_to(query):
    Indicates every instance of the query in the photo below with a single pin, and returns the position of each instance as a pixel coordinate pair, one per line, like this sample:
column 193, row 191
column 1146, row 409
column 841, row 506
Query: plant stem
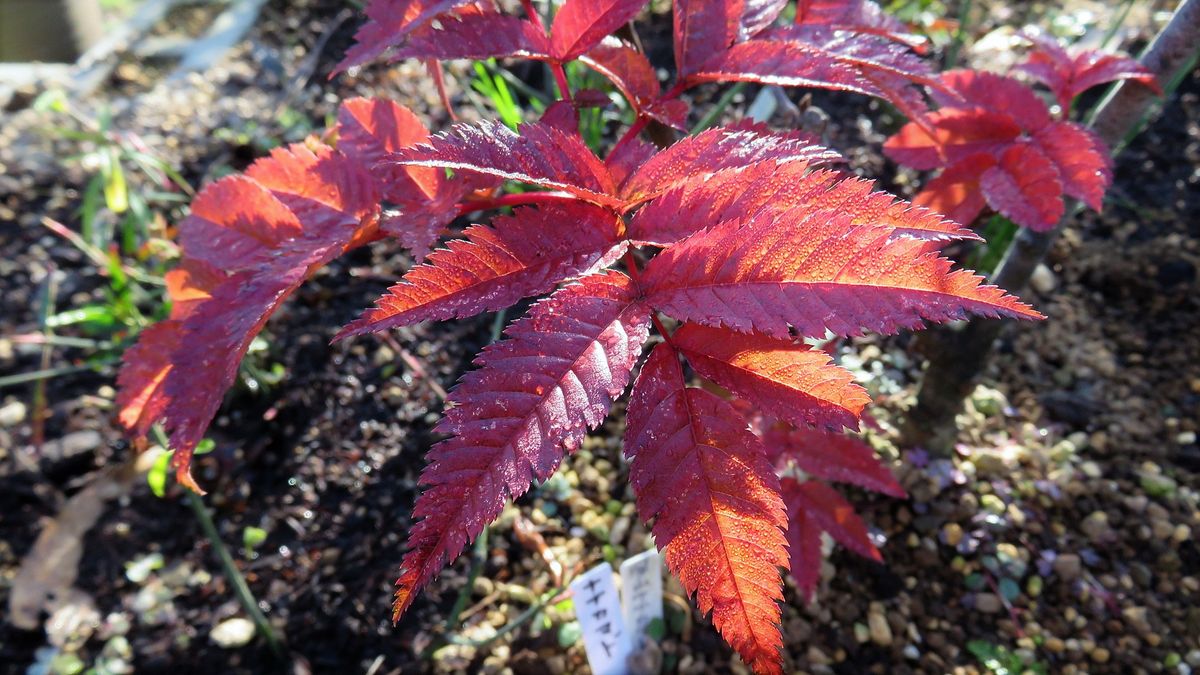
column 478, row 558
column 240, row 588
column 710, row 118
column 521, row 619
column 38, row 375
column 232, row 573
column 960, row 35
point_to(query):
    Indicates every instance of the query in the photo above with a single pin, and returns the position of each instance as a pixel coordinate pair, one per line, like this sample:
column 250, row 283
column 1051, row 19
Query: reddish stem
column 630, row 134
column 515, row 199
column 556, row 67
column 439, row 79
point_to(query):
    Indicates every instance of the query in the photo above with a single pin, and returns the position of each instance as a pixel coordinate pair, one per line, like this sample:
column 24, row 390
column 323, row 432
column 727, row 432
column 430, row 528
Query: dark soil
column 1081, row 443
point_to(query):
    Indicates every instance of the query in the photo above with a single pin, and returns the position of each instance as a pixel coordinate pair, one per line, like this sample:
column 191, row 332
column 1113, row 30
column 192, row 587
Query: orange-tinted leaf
column 782, row 378
column 539, row 154
column 718, row 517
column 533, row 398
column 949, row 136
column 527, row 253
column 739, row 193
column 1024, row 186
column 814, row 270
column 740, row 145
column 426, row 200
column 580, row 25
column 956, row 192
column 179, row 370
column 830, row 456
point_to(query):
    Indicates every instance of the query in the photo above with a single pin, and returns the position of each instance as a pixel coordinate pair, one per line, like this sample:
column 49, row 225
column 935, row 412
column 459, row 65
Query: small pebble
column 233, row 633
column 988, row 603
column 1068, row 566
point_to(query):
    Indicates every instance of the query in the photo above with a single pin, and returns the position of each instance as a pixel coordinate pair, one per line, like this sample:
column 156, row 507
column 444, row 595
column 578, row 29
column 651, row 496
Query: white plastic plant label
column 598, row 609
column 641, row 593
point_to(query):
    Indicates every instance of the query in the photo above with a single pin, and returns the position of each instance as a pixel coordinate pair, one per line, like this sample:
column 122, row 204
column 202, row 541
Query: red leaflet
column 788, row 380
column 582, row 24
column 527, row 253
column 956, row 192
column 952, row 134
column 627, row 158
column 533, row 398
column 736, row 146
column 539, row 154
column 999, row 145
column 739, row 193
column 861, row 16
column 1084, row 165
column 817, row 56
column 478, row 35
column 830, row 456
column 995, row 94
column 703, row 28
column 1069, row 76
column 792, row 268
column 718, row 518
column 633, row 75
column 814, row 507
column 389, row 22
column 180, row 370
column 1024, row 186
column 371, row 129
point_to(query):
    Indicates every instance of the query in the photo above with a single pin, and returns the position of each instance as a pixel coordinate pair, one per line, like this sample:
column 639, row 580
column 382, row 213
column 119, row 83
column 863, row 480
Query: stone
column 988, row 603
column 1096, row 526
column 1043, row 280
column 233, row 633
column 1157, row 484
column 1100, row 655
column 72, row 445
column 1068, row 566
column 952, row 534
column 12, row 414
column 877, row 626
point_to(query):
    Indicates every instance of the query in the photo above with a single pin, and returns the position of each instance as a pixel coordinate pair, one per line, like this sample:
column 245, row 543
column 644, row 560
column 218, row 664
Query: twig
column 714, row 114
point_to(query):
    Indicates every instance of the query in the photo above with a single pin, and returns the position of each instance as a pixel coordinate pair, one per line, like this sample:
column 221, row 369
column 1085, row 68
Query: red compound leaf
column 1069, row 76
column 815, row 270
column 388, row 23
column 304, row 206
column 718, row 518
column 830, row 456
column 533, row 397
column 1024, row 186
column 812, row 508
column 580, row 25
column 479, row 35
column 817, row 56
column 949, row 136
column 710, row 151
column 525, row 254
column 369, row 130
column 690, row 207
column 994, row 93
column 632, row 74
column 956, row 192
column 782, row 378
column 539, row 154
column 1084, row 164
